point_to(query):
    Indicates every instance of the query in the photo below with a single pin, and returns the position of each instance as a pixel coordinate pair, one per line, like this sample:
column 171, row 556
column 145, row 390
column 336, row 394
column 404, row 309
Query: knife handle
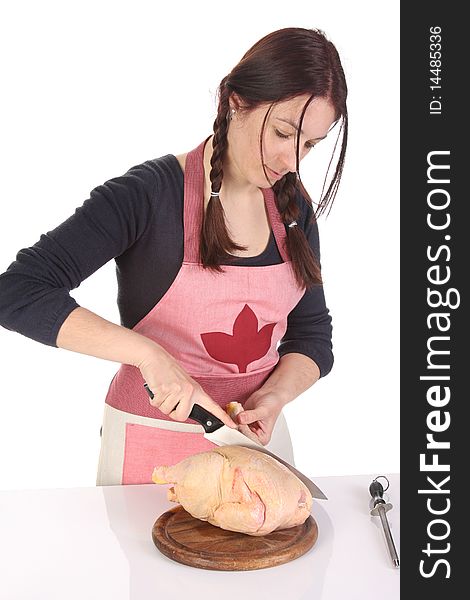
column 209, row 421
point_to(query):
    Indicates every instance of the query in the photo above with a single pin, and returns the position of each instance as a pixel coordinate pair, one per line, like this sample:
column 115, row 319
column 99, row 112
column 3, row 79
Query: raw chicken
column 237, row 488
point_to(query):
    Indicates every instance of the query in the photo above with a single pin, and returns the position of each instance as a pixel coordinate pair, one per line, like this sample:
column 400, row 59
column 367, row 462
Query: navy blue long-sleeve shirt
column 137, row 220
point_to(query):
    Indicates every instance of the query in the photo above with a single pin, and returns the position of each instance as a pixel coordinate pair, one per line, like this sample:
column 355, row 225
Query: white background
column 93, row 88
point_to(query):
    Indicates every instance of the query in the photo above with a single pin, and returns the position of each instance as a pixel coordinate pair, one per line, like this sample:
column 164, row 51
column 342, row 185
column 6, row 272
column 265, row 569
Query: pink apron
column 223, row 328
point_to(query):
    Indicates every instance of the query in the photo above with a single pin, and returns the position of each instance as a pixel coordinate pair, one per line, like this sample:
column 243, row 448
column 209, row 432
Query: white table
column 95, row 543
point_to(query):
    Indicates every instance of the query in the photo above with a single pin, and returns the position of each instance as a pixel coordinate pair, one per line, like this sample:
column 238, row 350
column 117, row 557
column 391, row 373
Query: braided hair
column 285, row 64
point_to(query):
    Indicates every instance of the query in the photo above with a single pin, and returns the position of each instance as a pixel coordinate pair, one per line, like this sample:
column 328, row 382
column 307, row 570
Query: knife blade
column 218, row 433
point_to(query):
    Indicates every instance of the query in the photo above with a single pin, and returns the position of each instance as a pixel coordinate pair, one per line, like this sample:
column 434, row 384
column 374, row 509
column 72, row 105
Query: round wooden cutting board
column 199, row 544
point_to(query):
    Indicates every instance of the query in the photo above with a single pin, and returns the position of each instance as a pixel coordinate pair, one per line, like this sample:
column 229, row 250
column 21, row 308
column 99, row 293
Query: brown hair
column 283, row 65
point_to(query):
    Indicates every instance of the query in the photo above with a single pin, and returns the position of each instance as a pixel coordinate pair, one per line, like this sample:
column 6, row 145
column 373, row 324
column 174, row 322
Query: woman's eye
column 281, row 135
column 286, row 136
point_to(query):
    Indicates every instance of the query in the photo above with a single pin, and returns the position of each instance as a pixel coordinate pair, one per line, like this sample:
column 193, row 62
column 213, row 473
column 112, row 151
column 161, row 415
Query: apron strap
column 277, row 225
column 193, row 202
column 194, row 208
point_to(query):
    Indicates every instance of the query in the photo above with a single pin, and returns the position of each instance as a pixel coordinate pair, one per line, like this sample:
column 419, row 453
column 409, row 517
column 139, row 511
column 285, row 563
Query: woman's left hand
column 260, row 413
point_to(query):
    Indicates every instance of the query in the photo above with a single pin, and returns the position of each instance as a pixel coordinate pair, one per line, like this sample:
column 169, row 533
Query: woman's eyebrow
column 289, row 122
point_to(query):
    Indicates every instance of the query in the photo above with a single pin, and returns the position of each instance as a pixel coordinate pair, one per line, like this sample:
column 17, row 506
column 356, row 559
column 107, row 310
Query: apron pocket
column 146, row 447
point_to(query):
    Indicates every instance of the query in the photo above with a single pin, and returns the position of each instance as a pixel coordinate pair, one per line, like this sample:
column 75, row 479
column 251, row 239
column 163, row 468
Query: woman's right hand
column 175, row 392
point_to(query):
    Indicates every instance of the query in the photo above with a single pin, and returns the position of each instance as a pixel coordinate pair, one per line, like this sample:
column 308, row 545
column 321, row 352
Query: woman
column 218, row 269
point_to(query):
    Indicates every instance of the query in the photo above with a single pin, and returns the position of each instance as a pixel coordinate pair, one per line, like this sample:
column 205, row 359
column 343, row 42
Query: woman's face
column 279, row 140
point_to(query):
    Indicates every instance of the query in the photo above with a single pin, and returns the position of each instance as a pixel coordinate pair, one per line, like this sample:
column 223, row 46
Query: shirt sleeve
column 35, row 289
column 309, row 329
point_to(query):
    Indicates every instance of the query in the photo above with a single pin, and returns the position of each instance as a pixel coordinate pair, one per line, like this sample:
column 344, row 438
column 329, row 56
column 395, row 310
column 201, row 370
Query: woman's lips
column 273, row 174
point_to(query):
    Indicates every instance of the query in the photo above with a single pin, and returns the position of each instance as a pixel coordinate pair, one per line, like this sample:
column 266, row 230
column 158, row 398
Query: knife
column 218, row 433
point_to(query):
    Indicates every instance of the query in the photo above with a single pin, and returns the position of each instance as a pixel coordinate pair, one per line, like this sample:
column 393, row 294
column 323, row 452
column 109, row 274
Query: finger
column 245, row 429
column 157, row 394
column 169, row 405
column 250, row 416
column 176, row 402
column 167, row 396
column 262, row 435
column 182, row 409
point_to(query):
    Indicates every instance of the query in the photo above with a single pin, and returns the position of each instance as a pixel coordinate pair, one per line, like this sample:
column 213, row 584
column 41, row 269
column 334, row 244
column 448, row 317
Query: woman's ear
column 235, row 101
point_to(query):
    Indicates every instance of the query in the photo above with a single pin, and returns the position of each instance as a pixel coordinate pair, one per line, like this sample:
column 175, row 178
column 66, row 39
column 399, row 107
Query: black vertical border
column 420, row 133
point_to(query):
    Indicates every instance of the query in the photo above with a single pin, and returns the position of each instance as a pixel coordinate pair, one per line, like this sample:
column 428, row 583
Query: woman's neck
column 234, row 184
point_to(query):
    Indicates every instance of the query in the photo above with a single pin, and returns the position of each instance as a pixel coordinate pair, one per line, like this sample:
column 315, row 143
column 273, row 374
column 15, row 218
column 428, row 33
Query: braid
column 304, row 263
column 215, row 238
column 219, row 142
column 285, row 194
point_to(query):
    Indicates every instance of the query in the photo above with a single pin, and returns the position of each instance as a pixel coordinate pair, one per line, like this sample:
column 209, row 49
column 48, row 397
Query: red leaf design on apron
column 246, row 345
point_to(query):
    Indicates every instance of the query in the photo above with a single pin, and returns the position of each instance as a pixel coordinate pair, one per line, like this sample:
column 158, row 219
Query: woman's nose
column 289, row 159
